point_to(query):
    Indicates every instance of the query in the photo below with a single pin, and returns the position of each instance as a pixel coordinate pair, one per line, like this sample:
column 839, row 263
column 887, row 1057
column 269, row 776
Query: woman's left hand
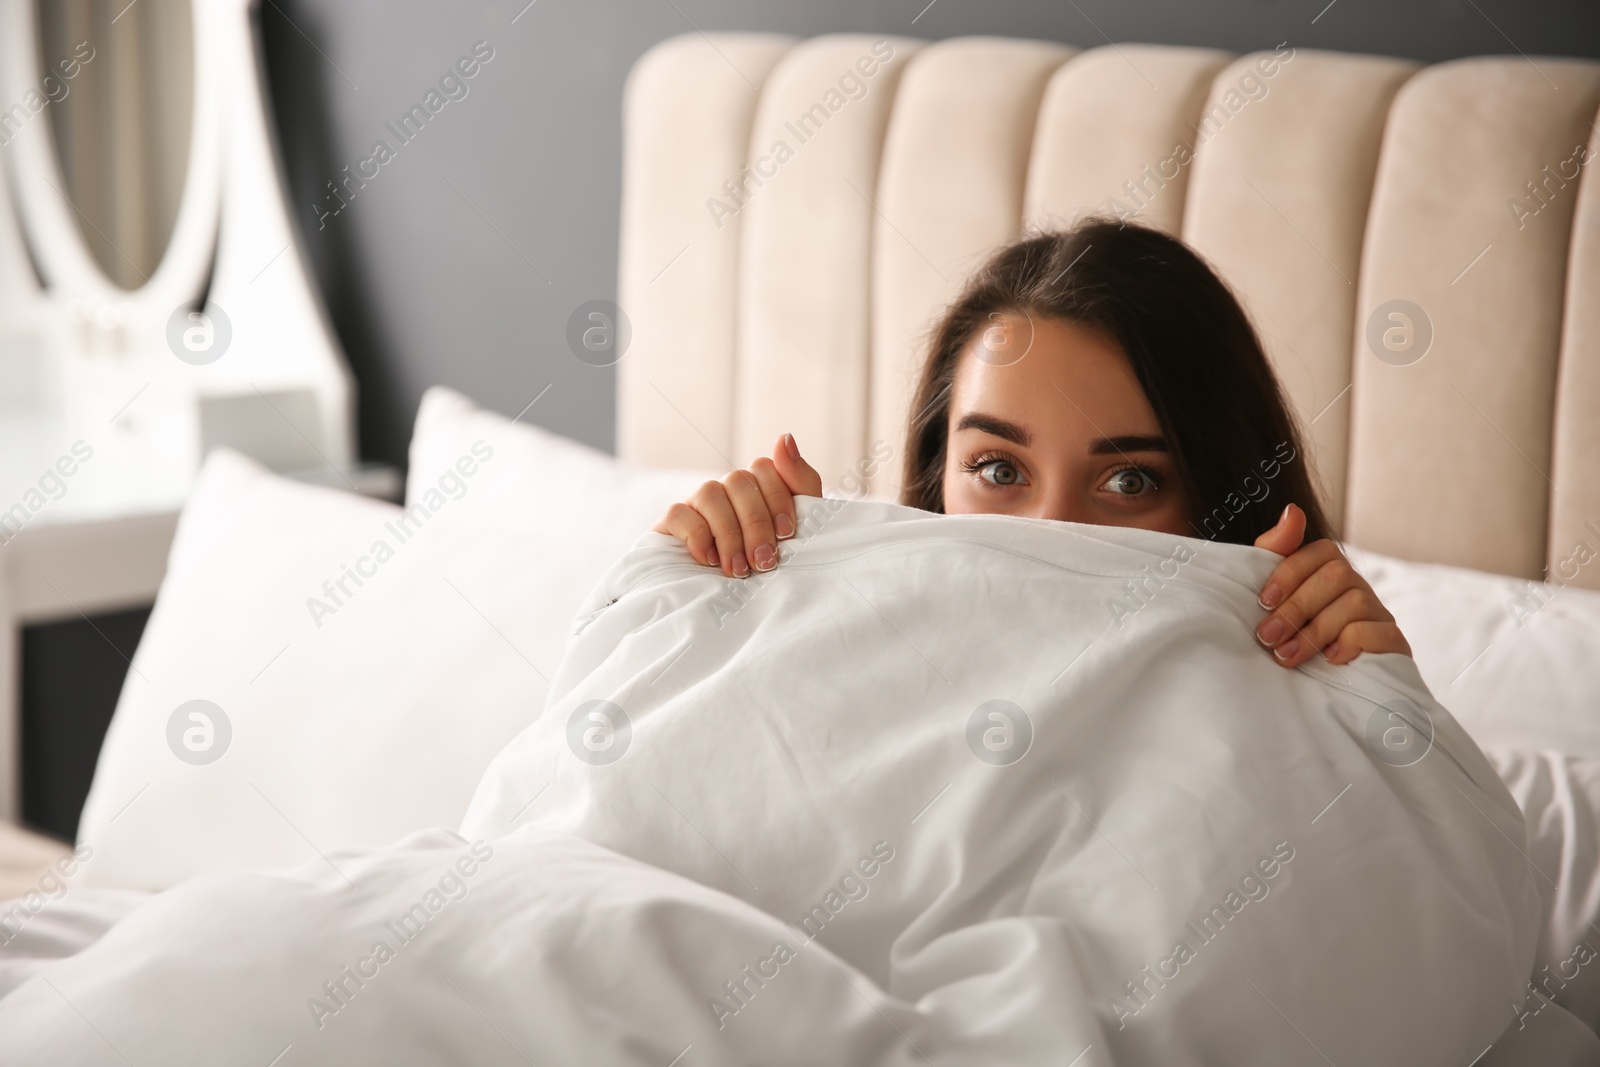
column 1318, row 602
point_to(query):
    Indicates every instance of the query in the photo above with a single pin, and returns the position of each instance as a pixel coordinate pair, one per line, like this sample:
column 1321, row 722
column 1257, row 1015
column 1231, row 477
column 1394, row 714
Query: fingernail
column 1271, row 595
column 1272, row 631
column 1285, row 652
column 790, row 447
column 765, row 557
column 711, row 556
column 1332, row 651
column 784, row 525
column 740, row 567
column 1285, row 514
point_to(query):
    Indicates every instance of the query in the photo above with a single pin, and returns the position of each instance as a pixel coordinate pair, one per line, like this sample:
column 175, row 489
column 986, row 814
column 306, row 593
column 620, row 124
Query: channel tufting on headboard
column 1419, row 247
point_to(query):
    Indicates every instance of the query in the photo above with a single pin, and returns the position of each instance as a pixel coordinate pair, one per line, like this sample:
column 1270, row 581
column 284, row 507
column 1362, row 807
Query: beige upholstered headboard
column 796, row 212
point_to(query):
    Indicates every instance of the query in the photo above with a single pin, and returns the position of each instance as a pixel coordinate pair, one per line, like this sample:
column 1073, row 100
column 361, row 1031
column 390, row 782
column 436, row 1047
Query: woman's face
column 1048, row 421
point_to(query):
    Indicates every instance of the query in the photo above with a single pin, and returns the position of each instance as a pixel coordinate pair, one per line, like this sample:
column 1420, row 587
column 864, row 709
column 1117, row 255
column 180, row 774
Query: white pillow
column 541, row 483
column 1517, row 662
column 354, row 717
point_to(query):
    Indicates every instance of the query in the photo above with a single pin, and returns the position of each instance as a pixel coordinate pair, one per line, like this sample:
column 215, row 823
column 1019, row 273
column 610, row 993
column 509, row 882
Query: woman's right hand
column 736, row 523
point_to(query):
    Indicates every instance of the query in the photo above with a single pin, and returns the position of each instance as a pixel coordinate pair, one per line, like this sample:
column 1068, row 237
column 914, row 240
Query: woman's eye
column 1001, row 472
column 1130, row 482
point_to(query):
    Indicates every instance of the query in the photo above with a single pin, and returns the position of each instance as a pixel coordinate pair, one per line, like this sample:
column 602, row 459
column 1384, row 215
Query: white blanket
column 940, row 789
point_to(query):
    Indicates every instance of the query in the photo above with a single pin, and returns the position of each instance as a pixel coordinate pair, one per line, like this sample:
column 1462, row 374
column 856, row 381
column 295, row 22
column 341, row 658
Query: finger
column 1286, row 536
column 1354, row 605
column 1299, row 565
column 711, row 501
column 780, row 503
column 1366, row 635
column 690, row 527
column 755, row 524
column 801, row 478
column 1321, row 588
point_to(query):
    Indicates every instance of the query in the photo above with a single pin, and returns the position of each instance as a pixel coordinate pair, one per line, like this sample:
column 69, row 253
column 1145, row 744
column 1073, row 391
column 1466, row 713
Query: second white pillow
column 359, row 667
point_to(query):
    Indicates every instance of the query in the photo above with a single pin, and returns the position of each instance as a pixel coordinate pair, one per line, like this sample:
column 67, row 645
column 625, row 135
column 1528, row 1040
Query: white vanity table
column 110, row 398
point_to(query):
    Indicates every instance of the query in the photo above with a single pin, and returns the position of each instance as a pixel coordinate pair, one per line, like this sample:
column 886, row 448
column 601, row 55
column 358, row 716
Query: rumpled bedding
column 937, row 790
column 56, row 920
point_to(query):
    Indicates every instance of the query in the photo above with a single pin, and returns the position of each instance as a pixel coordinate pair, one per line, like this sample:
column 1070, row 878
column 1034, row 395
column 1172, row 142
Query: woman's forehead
column 1055, row 375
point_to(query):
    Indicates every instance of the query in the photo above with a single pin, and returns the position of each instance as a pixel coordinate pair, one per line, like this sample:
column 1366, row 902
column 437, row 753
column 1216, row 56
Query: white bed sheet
column 35, row 933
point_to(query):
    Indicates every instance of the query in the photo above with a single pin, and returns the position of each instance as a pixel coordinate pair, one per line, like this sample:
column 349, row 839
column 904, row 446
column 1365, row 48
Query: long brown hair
column 1191, row 346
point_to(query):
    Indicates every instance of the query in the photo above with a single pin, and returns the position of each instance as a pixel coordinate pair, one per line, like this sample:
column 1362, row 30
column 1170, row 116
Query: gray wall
column 460, row 262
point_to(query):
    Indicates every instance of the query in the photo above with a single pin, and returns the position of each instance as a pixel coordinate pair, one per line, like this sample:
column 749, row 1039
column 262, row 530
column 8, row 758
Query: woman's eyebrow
column 993, row 424
column 1109, row 445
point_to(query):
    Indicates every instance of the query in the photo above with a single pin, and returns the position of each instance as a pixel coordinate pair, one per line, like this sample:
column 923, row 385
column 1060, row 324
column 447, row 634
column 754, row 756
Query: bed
column 1419, row 246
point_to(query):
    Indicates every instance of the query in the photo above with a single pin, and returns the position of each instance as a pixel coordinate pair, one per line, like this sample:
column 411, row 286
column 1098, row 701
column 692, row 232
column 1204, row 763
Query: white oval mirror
column 120, row 116
column 110, row 149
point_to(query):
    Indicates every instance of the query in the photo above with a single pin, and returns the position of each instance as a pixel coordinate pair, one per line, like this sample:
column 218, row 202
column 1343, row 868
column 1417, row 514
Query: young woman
column 1099, row 375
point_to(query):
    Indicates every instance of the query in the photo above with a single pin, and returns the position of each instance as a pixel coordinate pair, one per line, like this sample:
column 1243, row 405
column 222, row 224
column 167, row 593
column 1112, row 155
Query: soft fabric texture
column 1560, row 798
column 769, row 747
column 1451, row 453
column 63, row 925
column 1575, row 451
column 684, row 319
column 1517, row 662
column 980, row 776
column 541, row 484
column 537, row 948
column 52, row 916
column 355, row 715
column 550, row 950
column 1244, row 190
column 369, row 660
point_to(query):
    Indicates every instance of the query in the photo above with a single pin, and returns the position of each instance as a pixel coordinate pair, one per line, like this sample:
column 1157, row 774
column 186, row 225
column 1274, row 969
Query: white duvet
column 939, row 789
